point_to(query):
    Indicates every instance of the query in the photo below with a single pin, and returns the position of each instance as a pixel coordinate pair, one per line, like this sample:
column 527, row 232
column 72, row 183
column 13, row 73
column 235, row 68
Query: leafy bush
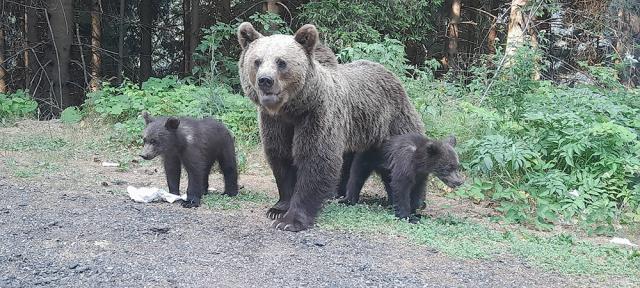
column 16, row 105
column 170, row 96
column 389, row 52
column 554, row 150
column 343, row 23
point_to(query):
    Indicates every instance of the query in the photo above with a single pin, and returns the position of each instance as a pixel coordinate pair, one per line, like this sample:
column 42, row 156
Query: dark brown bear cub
column 411, row 158
column 406, row 161
column 196, row 144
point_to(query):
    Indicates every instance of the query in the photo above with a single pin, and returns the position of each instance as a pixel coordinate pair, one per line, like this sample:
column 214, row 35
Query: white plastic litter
column 622, row 241
column 110, row 164
column 150, row 194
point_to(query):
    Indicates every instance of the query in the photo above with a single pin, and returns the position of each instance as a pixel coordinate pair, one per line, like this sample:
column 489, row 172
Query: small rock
column 104, row 184
column 52, row 223
column 73, row 266
column 118, row 182
column 160, row 230
column 320, row 243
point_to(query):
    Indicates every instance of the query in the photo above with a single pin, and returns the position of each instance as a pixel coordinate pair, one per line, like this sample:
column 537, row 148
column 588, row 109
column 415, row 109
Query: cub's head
column 159, row 135
column 273, row 68
column 446, row 165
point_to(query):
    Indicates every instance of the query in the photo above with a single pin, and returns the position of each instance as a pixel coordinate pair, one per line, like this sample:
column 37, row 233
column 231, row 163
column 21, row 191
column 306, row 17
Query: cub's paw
column 275, row 213
column 347, row 201
column 191, row 203
column 413, row 219
column 290, row 223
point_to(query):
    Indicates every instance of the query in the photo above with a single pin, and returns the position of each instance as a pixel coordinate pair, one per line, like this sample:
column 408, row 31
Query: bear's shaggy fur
column 196, row 144
column 407, row 160
column 310, row 115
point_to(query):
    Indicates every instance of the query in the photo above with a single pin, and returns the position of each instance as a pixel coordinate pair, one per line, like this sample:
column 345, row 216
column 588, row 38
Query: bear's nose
column 265, row 82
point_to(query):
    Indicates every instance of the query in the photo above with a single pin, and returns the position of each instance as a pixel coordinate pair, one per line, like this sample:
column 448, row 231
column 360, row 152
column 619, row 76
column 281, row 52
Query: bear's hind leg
column 347, row 159
column 361, row 169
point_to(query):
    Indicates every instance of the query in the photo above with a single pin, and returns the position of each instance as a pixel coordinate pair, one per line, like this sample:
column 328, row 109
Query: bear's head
column 275, row 67
column 159, row 135
column 444, row 161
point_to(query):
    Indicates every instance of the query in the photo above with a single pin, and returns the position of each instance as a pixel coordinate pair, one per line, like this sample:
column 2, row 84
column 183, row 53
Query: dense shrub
column 170, row 96
column 16, row 105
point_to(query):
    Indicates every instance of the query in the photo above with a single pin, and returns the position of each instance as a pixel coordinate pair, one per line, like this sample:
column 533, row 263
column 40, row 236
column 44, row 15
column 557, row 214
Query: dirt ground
column 66, row 221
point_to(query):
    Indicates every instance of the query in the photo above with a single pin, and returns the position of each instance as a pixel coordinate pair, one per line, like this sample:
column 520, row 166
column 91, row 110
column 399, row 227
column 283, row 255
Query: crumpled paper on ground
column 622, row 241
column 150, row 194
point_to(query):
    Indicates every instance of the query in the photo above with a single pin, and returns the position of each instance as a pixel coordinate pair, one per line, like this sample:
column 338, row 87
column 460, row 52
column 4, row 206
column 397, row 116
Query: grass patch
column 460, row 238
column 34, row 144
column 244, row 197
column 29, row 171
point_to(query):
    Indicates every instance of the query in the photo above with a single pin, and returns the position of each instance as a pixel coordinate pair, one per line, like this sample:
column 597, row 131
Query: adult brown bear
column 311, row 114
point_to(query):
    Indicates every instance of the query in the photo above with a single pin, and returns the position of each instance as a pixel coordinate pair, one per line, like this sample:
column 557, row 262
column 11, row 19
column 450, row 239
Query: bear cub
column 411, row 158
column 406, row 161
column 196, row 144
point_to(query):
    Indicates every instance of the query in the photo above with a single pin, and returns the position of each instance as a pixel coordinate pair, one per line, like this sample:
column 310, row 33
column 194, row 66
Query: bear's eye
column 152, row 141
column 281, row 64
column 257, row 62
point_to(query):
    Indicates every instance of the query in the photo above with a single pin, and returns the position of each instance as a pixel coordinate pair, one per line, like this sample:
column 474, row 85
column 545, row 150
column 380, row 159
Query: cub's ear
column 308, row 37
column 433, row 148
column 172, row 123
column 452, row 140
column 247, row 34
column 147, row 118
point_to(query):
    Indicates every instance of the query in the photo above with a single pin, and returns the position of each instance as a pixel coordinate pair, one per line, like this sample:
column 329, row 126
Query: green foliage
column 553, row 151
column 16, row 105
column 343, row 23
column 123, row 105
column 389, row 52
column 220, row 56
column 71, row 115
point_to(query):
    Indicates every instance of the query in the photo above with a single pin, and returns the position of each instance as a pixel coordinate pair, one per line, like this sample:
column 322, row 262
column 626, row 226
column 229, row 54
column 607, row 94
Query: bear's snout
column 145, row 157
column 265, row 82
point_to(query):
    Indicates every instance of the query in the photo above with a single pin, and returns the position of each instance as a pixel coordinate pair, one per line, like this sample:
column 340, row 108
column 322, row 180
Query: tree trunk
column 145, row 11
column 61, row 21
column 195, row 32
column 30, row 56
column 3, row 71
column 493, row 31
column 516, row 30
column 186, row 42
column 225, row 11
column 121, row 43
column 96, row 37
column 453, row 32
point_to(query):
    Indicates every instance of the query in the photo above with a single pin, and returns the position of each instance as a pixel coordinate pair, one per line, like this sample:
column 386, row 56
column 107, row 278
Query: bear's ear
column 172, row 123
column 247, row 34
column 308, row 37
column 452, row 140
column 433, row 148
column 147, row 118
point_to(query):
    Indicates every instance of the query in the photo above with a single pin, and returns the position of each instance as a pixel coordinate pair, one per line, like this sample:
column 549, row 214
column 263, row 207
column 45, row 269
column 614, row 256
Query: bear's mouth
column 271, row 101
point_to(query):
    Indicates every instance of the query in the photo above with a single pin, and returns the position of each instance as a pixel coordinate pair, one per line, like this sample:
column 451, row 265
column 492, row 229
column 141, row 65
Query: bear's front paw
column 275, row 213
column 191, row 203
column 278, row 210
column 291, row 222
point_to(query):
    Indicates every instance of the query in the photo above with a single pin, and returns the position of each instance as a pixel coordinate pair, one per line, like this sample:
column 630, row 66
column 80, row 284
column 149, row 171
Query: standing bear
column 311, row 115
